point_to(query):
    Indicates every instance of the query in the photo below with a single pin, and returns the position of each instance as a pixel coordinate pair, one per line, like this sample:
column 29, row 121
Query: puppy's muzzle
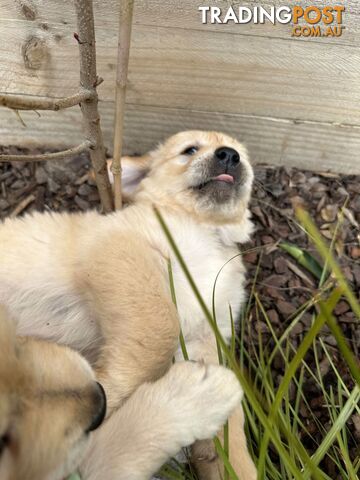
column 227, row 166
column 99, row 408
column 227, row 157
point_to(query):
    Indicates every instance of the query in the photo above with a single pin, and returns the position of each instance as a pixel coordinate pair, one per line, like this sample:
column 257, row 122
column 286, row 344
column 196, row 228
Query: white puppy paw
column 200, row 398
column 190, row 402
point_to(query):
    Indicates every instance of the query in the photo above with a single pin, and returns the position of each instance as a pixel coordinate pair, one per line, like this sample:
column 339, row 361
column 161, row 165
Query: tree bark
column 83, row 147
column 125, row 24
column 87, row 98
column 26, row 102
column 89, row 108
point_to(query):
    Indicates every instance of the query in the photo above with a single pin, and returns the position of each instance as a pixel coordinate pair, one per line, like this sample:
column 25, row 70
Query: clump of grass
column 278, row 437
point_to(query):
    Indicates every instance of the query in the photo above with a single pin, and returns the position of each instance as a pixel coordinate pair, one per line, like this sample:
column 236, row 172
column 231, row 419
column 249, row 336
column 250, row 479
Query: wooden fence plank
column 185, row 15
column 182, row 14
column 206, row 71
column 305, row 145
column 292, row 100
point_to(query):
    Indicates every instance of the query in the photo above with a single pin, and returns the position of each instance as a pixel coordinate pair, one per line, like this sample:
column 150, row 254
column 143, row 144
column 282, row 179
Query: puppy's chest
column 218, row 276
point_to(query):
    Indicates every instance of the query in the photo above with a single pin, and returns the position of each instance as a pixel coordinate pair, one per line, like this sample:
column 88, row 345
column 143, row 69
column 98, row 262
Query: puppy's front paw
column 203, row 397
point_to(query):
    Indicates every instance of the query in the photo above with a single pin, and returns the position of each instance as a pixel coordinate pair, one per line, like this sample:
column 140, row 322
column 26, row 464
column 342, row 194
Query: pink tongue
column 224, row 177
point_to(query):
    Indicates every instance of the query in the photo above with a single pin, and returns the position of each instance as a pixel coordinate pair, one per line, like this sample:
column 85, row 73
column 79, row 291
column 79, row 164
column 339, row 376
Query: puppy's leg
column 203, row 453
column 206, row 462
column 190, row 402
column 127, row 283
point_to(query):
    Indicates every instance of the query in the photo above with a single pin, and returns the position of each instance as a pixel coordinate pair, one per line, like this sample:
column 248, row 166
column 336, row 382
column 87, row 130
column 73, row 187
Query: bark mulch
column 282, row 285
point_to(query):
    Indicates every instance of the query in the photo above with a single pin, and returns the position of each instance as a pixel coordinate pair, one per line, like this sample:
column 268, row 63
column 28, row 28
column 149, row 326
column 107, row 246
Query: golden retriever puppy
column 49, row 402
column 100, row 284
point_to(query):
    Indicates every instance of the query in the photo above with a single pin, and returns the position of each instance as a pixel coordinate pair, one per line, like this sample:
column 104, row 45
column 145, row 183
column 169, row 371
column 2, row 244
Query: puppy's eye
column 190, row 150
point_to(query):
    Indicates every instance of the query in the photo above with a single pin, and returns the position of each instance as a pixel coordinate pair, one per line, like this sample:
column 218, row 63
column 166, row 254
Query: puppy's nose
column 227, row 156
column 100, row 408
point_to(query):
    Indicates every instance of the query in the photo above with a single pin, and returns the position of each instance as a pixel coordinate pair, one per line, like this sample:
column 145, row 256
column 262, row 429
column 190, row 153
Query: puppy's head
column 203, row 173
column 49, row 402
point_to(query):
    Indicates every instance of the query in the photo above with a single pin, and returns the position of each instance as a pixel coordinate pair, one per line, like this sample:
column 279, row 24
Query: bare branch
column 125, row 24
column 22, row 205
column 89, row 80
column 83, row 147
column 88, row 100
column 26, row 102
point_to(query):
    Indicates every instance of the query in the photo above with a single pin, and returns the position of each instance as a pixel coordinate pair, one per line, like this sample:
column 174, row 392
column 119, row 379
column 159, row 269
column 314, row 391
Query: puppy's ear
column 134, row 169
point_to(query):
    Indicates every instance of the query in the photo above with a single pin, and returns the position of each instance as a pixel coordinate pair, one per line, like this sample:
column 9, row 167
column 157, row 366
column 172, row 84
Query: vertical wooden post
column 124, row 39
column 89, row 81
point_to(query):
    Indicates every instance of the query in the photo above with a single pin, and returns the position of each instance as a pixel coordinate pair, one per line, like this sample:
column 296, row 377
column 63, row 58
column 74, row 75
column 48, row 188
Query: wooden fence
column 293, row 101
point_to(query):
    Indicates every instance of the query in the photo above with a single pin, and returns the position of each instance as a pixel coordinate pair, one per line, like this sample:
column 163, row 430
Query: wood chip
column 22, row 205
column 329, row 213
column 300, row 273
column 286, row 308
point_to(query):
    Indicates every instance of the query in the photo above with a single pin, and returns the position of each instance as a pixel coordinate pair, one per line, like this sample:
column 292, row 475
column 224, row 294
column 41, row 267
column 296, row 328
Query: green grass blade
column 170, row 473
column 171, row 282
column 173, row 297
column 328, row 259
column 349, row 357
column 183, row 346
column 337, row 373
column 290, row 372
column 226, row 450
column 74, row 476
column 227, row 465
column 337, row 425
column 304, row 258
column 248, row 389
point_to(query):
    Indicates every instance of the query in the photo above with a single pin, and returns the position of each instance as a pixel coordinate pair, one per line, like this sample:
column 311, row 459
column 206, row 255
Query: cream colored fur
column 188, row 403
column 48, row 399
column 100, row 284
